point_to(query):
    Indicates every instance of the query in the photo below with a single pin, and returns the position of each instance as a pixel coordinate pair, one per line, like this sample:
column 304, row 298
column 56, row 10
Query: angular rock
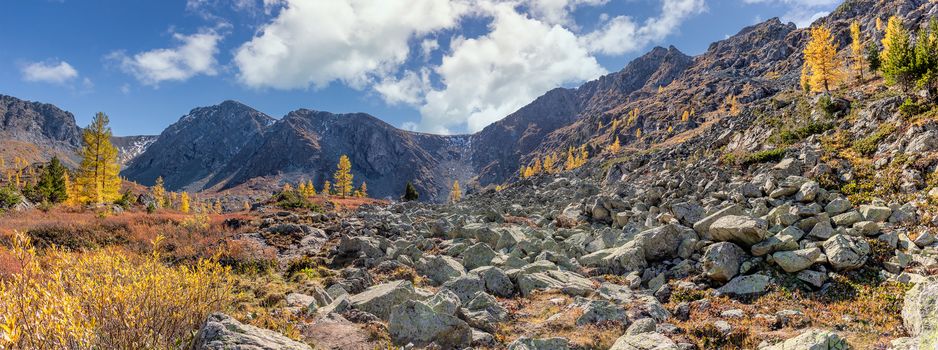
column 222, row 332
column 813, row 339
column 644, row 341
column 796, row 260
column 379, row 300
column 846, row 252
column 920, row 313
column 703, row 226
column 743, row 230
column 495, row 281
column 416, row 322
column 721, row 261
column 746, row 285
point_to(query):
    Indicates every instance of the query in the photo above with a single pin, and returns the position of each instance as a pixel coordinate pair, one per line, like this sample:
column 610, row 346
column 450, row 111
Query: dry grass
column 549, row 314
column 864, row 311
column 187, row 238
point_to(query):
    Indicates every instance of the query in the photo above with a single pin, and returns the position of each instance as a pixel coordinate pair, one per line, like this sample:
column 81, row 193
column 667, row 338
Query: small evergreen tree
column 872, row 57
column 51, row 187
column 410, row 192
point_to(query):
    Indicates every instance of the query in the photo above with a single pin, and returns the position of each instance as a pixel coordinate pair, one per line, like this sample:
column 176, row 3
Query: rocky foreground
column 632, row 260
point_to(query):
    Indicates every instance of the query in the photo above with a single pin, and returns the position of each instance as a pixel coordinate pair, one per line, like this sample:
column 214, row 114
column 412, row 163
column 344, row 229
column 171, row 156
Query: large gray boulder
column 813, row 339
column 846, row 252
column 440, row 268
column 796, row 260
column 644, row 341
column 703, row 225
column 222, row 332
column 567, row 282
column 746, row 285
column 721, row 261
column 662, row 242
column 379, row 300
column 525, row 343
column 920, row 313
column 416, row 322
column 740, row 229
column 478, row 255
column 495, row 281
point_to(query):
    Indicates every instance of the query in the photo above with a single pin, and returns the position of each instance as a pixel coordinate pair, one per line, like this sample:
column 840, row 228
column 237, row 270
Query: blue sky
column 445, row 66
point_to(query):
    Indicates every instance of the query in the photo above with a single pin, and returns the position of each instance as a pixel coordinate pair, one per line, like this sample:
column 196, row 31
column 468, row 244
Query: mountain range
column 231, row 145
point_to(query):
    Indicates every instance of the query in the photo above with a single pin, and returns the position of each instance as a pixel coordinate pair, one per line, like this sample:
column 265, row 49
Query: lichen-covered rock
column 721, row 261
column 746, row 285
column 222, row 332
column 644, row 341
column 416, row 322
column 379, row 300
column 920, row 313
column 740, row 229
column 846, row 252
column 813, row 339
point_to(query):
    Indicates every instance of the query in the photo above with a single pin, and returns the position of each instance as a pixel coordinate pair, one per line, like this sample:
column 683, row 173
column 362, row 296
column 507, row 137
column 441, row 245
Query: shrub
column 909, row 108
column 867, row 146
column 772, row 155
column 812, row 128
column 826, row 105
column 9, row 197
column 292, row 199
column 106, row 299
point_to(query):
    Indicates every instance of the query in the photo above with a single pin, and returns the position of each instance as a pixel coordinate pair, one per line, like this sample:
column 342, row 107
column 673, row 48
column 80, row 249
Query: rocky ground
column 658, row 251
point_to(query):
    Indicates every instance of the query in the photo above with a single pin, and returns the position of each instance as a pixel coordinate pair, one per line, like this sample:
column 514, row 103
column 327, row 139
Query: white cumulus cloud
column 622, row 34
column 49, row 72
column 194, row 55
column 801, row 12
column 315, row 42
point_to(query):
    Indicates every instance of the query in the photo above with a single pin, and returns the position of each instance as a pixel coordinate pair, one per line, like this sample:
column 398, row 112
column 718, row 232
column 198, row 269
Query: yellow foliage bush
column 106, row 299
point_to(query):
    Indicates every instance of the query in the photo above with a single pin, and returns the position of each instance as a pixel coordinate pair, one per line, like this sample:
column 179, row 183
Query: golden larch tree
column 158, row 192
column 326, row 188
column 615, row 146
column 363, row 190
column 310, row 189
column 184, row 202
column 856, row 48
column 98, row 179
column 820, row 55
column 343, row 177
column 455, row 194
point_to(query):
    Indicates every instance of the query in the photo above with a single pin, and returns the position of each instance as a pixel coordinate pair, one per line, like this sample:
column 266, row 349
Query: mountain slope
column 36, row 131
column 130, row 147
column 307, row 144
column 192, row 150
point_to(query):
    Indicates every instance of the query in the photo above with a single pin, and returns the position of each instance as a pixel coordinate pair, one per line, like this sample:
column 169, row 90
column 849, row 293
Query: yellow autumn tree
column 326, row 188
column 856, row 48
column 158, row 192
column 343, row 176
column 879, row 24
column 615, row 146
column 550, row 161
column 70, row 192
column 184, row 202
column 455, row 194
column 310, row 189
column 820, row 56
column 363, row 190
column 98, row 179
